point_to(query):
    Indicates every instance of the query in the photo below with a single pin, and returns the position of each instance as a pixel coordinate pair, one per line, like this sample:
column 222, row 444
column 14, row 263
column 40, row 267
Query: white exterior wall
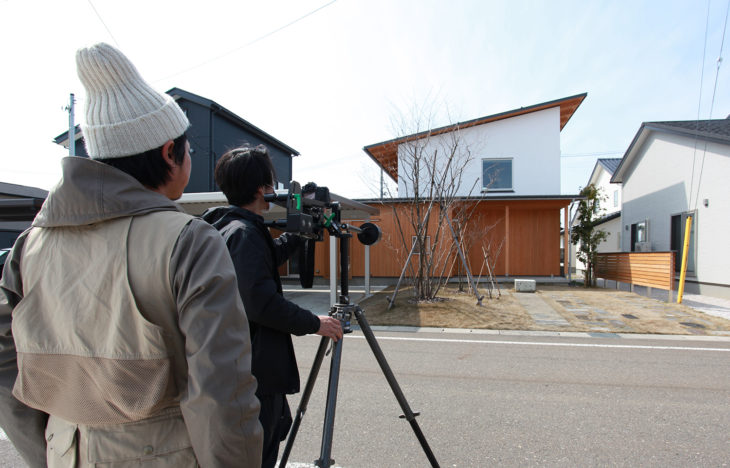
column 657, row 186
column 603, row 181
column 613, row 241
column 531, row 140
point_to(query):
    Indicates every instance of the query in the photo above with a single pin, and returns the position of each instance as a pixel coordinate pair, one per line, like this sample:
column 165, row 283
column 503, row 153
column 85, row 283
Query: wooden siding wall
column 534, row 240
column 530, row 230
column 485, row 228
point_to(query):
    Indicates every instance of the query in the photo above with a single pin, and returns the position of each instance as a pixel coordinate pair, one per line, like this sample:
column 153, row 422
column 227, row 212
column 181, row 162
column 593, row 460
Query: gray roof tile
column 716, row 128
column 610, row 164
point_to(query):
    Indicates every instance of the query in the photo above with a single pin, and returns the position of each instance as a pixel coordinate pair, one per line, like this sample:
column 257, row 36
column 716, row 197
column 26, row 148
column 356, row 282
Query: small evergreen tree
column 585, row 231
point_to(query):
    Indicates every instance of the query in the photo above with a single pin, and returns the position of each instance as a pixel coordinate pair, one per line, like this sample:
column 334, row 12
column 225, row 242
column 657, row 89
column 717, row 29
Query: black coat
column 273, row 319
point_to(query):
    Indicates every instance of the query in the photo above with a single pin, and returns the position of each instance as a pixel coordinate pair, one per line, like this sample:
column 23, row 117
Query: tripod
column 343, row 311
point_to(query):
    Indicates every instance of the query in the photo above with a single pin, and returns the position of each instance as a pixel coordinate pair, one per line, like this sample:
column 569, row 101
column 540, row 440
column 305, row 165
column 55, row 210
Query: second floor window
column 497, row 174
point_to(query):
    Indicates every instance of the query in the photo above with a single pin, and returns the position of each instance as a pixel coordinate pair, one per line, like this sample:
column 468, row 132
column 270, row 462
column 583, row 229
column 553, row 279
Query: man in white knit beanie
column 123, row 338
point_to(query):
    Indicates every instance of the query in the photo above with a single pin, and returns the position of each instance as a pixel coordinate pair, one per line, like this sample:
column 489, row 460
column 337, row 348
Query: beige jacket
column 128, row 330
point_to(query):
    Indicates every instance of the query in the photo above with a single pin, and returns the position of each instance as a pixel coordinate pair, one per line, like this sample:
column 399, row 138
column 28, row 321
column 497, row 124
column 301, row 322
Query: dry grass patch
column 457, row 310
column 593, row 309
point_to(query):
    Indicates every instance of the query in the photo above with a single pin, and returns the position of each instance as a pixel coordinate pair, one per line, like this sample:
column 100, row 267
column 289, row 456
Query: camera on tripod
column 310, row 210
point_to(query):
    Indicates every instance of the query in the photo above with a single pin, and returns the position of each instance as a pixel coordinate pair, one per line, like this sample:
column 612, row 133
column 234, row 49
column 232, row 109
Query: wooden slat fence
column 651, row 269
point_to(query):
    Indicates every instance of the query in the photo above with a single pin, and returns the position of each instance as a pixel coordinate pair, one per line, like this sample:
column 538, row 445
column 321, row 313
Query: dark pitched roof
column 385, row 153
column 610, row 164
column 21, row 191
column 715, row 130
column 607, row 218
column 62, row 139
column 178, row 93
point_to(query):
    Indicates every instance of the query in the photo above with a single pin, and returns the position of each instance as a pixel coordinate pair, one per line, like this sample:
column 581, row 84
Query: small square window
column 414, row 245
column 497, row 174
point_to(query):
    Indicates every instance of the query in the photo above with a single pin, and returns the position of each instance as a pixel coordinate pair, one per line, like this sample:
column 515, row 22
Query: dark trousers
column 275, row 418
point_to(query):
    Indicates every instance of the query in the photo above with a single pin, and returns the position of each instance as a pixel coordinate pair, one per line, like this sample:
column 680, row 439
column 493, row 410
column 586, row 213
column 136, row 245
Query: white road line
column 542, row 343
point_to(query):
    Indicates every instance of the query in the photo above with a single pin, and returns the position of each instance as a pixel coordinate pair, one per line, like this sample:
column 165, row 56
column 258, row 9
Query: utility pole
column 71, row 127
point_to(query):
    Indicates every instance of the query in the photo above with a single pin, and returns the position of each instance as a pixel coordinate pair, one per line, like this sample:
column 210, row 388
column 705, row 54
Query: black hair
column 240, row 172
column 150, row 168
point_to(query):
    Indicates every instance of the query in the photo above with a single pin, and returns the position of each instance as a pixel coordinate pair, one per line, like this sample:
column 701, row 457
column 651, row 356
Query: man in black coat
column 245, row 175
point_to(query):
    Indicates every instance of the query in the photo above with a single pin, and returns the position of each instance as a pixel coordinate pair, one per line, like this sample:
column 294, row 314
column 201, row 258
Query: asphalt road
column 525, row 401
column 521, row 401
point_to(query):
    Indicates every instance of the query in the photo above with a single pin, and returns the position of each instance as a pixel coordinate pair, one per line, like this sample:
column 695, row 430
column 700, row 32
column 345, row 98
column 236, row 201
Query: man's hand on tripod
column 330, row 327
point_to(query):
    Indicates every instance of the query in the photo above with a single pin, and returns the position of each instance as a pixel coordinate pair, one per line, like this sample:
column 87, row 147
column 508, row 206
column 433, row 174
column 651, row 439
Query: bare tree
column 430, row 181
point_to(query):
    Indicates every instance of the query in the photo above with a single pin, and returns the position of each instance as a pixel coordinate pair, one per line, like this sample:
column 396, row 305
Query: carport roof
column 197, row 203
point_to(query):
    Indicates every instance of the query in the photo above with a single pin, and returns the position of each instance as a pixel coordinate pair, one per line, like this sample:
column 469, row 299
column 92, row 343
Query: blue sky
column 331, row 82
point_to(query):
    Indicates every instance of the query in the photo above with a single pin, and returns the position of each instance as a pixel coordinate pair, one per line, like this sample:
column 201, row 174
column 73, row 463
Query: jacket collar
column 90, row 192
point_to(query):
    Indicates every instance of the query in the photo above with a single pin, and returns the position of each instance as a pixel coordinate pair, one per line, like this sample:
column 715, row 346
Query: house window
column 678, row 226
column 414, row 245
column 497, row 174
column 615, row 198
column 640, row 236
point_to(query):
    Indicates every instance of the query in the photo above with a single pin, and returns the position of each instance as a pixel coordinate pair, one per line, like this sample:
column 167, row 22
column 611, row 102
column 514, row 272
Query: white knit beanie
column 124, row 115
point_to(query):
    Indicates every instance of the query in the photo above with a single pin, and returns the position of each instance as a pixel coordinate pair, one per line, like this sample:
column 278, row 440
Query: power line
column 103, row 23
column 712, row 102
column 699, row 105
column 232, row 51
column 719, row 58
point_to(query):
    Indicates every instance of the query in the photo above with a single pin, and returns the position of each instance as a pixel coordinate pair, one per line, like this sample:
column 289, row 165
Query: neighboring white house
column 670, row 171
column 609, row 216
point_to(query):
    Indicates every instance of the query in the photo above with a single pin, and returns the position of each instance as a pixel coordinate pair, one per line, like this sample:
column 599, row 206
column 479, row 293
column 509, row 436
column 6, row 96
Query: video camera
column 306, row 209
column 310, row 211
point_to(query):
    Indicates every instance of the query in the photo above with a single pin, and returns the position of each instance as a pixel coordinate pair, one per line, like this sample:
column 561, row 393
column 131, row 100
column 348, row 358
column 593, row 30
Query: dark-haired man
column 245, row 175
column 129, row 340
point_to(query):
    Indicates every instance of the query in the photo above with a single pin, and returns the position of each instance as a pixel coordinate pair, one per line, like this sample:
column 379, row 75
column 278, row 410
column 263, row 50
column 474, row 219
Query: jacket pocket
column 61, row 443
column 94, row 391
column 161, row 441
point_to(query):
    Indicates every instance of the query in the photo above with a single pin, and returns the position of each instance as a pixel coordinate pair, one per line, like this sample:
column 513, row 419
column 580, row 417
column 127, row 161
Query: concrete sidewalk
column 317, row 299
column 710, row 305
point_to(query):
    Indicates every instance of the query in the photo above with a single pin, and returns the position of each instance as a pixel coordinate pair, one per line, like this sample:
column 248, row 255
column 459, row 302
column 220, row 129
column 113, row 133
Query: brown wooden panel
column 533, row 249
column 534, row 242
column 652, row 269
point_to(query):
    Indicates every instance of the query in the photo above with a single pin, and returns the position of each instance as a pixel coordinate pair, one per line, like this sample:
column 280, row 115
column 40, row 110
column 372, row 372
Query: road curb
column 467, row 331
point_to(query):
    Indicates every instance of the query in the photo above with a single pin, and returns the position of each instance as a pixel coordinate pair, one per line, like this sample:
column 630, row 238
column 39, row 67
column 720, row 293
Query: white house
column 513, row 177
column 518, row 155
column 609, row 216
column 673, row 170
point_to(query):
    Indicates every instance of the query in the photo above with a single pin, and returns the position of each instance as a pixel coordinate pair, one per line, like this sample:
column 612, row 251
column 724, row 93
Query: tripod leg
column 407, row 412
column 324, row 460
column 304, row 400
